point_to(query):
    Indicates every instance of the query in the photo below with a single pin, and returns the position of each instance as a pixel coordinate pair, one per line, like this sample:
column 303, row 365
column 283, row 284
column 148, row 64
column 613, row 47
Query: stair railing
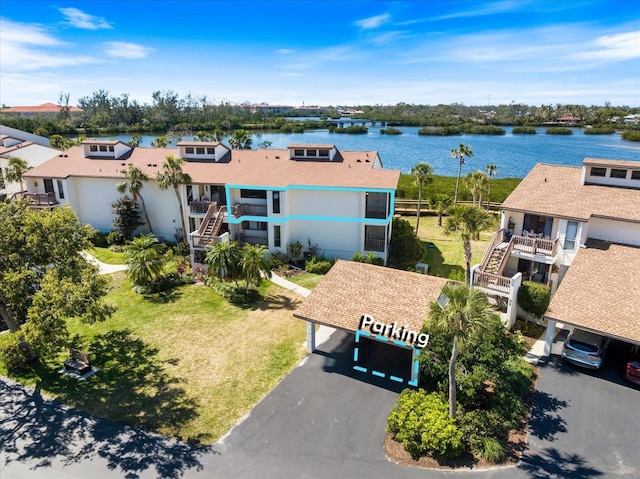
column 495, row 239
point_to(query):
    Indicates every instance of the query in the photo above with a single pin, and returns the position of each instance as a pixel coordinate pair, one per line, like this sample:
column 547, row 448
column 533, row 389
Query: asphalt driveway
column 324, row 420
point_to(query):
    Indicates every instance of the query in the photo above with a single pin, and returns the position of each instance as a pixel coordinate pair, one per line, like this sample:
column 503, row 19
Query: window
column 618, row 173
column 254, row 225
column 103, row 147
column 298, row 152
column 111, row 148
column 210, row 150
column 597, row 171
column 277, row 242
column 93, row 147
column 311, row 153
column 323, row 153
column 189, row 150
column 260, row 194
column 60, row 189
column 572, row 232
column 635, row 174
column 200, row 150
column 276, row 202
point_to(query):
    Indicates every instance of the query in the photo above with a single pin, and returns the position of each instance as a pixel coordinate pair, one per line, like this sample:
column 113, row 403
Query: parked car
column 585, row 349
column 632, row 371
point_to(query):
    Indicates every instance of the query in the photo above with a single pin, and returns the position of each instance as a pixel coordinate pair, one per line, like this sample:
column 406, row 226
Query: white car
column 585, row 349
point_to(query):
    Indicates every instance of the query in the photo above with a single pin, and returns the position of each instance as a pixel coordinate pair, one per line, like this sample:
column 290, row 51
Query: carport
column 600, row 293
column 376, row 304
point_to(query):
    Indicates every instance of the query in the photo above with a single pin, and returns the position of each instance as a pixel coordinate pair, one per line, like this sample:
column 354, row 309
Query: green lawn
column 306, row 280
column 445, row 254
column 184, row 363
column 107, row 256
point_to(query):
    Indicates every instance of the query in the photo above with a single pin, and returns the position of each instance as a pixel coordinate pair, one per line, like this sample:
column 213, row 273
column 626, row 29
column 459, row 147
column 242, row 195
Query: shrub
column 115, row 238
column 390, row 131
column 317, row 266
column 600, row 130
column 234, row 293
column 13, row 356
column 631, row 135
column 421, row 422
column 279, row 261
column 534, row 298
column 558, row 130
column 99, row 240
column 478, row 425
column 524, row 130
column 492, row 450
column 484, row 130
column 182, row 249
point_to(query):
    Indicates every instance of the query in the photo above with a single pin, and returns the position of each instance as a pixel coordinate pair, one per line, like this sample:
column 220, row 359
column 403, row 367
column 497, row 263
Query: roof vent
column 155, row 164
column 277, row 157
column 359, row 160
column 368, row 160
column 122, row 164
column 148, row 164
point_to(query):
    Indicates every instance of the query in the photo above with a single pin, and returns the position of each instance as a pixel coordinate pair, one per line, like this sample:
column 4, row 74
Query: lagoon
column 514, row 155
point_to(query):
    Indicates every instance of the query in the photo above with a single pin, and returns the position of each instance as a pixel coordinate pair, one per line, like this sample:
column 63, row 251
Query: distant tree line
column 170, row 112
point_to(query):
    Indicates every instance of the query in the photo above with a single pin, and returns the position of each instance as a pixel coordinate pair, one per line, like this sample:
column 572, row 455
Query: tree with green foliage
column 254, row 263
column 534, row 298
column 476, row 182
column 422, row 174
column 467, row 221
column 160, row 142
column 16, row 167
column 405, row 248
column 463, row 313
column 240, row 140
column 144, row 260
column 459, row 153
column 173, row 176
column 223, row 260
column 492, row 170
column 135, row 140
column 60, row 142
column 441, row 204
column 126, row 217
column 44, row 278
column 133, row 183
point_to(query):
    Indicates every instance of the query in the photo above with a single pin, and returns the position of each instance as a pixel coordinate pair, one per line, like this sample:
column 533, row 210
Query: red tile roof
column 264, row 167
column 44, row 108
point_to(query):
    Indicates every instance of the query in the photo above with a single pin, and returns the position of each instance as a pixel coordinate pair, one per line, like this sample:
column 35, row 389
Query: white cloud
column 126, row 50
column 78, row 19
column 621, row 46
column 33, row 34
column 373, row 22
column 284, row 51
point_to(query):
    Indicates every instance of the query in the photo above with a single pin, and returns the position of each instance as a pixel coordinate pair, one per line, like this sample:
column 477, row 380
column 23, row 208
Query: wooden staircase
column 495, row 259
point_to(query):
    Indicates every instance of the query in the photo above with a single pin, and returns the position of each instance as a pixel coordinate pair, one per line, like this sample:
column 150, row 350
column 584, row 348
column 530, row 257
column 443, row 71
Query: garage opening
column 382, row 359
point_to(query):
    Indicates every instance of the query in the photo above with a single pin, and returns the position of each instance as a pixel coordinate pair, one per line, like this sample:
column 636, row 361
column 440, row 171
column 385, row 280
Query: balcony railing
column 530, row 245
column 491, row 281
column 202, row 241
column 246, row 209
column 198, row 206
column 378, row 213
column 371, row 244
column 42, row 199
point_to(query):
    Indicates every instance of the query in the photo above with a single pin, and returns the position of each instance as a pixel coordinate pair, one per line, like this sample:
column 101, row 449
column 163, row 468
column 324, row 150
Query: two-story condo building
column 334, row 202
column 578, row 231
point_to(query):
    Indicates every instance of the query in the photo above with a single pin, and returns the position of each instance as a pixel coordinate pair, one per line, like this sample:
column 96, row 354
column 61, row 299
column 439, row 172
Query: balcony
column 371, row 244
column 535, row 246
column 42, row 200
column 492, row 282
column 247, row 209
column 377, row 213
column 200, row 207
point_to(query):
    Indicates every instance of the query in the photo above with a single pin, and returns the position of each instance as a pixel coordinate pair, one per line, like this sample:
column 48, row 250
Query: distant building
column 632, row 120
column 46, row 109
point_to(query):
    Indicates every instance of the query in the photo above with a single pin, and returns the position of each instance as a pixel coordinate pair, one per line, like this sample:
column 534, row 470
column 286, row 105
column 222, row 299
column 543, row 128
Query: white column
column 512, row 301
column 548, row 339
column 311, row 336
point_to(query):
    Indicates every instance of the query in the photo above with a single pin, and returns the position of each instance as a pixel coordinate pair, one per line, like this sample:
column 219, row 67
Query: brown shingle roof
column 556, row 191
column 268, row 168
column 601, row 290
column 352, row 289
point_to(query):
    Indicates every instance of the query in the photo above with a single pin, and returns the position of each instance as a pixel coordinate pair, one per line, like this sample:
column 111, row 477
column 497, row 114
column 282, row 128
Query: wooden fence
column 405, row 206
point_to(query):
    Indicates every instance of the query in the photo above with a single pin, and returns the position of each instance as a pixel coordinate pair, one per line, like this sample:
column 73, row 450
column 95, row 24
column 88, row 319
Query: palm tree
column 464, row 312
column 476, row 182
column 441, row 204
column 134, row 177
column 223, row 259
column 460, row 153
column 144, row 261
column 254, row 263
column 492, row 170
column 422, row 175
column 16, row 167
column 467, row 221
column 240, row 140
column 173, row 176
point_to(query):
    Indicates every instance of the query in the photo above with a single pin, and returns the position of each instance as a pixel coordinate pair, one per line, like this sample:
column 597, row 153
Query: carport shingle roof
column 601, row 291
column 352, row 289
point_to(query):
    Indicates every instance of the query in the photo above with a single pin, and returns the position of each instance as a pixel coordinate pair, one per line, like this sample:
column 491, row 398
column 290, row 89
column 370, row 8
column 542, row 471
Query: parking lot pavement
column 324, row 420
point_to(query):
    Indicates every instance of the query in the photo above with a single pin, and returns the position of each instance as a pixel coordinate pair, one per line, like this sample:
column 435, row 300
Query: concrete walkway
column 104, row 267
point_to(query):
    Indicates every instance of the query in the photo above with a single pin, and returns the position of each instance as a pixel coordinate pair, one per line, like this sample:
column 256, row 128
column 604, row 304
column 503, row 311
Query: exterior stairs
column 213, row 225
column 495, row 258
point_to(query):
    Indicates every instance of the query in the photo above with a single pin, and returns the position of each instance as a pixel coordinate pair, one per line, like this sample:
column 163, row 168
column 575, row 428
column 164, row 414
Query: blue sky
column 330, row 52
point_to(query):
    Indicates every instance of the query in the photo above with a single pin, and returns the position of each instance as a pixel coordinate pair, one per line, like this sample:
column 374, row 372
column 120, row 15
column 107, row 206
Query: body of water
column 514, row 155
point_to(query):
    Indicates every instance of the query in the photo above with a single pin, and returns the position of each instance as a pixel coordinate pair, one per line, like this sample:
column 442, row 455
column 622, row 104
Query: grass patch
column 105, row 255
column 306, row 280
column 445, row 254
column 183, row 363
